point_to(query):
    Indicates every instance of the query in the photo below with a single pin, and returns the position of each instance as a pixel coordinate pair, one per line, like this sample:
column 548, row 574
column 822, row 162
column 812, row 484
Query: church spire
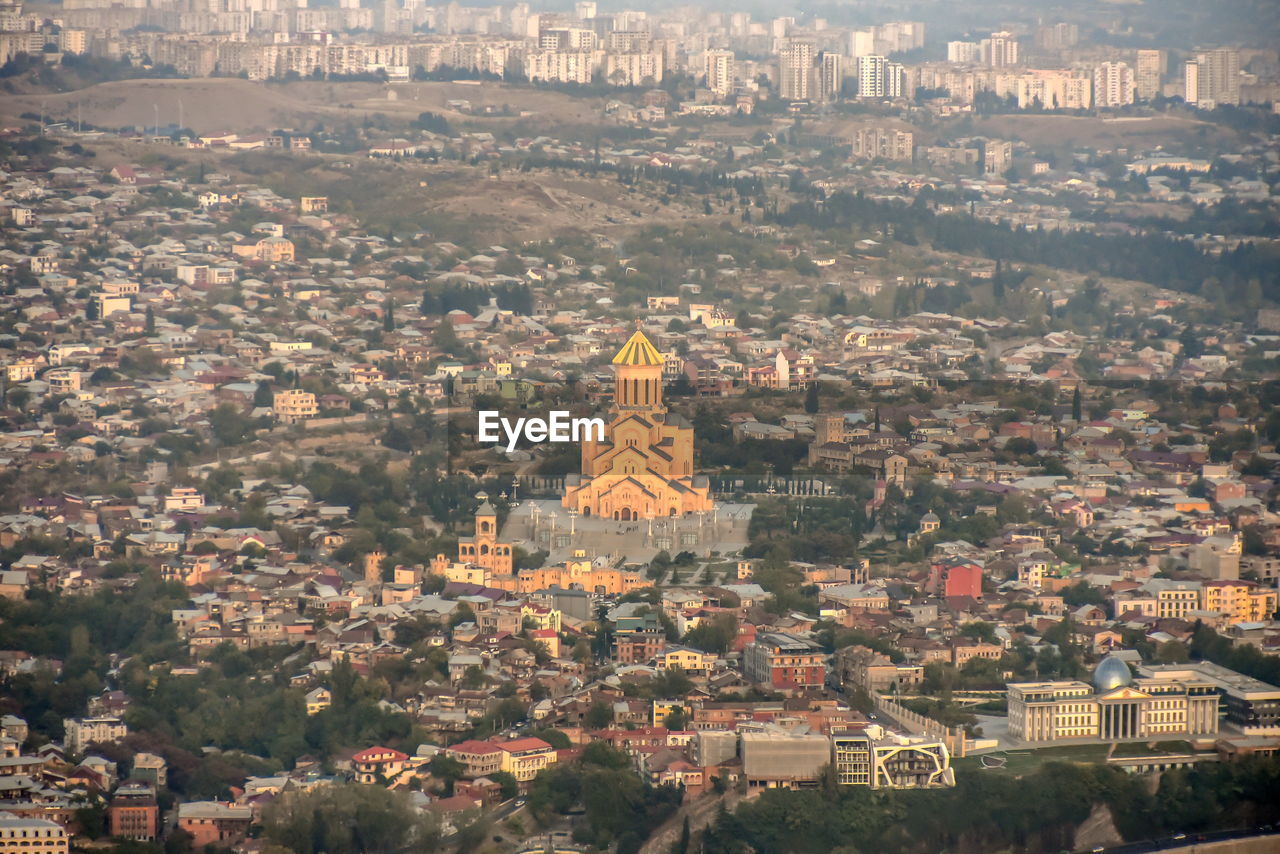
column 638, row 376
column 638, row 350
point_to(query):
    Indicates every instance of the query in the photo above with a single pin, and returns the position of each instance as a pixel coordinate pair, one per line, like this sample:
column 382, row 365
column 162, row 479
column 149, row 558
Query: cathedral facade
column 643, row 469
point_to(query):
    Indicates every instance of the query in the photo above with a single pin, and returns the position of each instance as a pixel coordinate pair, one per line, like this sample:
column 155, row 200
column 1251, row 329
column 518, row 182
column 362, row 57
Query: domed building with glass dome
column 1111, row 673
column 1114, row 706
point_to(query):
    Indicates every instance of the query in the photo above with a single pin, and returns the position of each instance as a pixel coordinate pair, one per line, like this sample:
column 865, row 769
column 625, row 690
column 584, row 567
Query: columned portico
column 1120, row 719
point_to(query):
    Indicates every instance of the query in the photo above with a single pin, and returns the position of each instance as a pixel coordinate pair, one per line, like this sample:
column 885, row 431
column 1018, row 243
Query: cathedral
column 641, row 471
column 644, row 467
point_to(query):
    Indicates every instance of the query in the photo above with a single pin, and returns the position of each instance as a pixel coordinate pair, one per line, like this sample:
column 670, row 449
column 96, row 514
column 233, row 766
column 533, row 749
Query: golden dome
column 638, row 350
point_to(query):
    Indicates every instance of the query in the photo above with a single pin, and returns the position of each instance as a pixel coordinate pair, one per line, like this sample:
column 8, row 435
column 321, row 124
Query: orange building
column 133, row 813
column 644, row 467
column 214, row 823
column 576, row 573
column 1239, row 601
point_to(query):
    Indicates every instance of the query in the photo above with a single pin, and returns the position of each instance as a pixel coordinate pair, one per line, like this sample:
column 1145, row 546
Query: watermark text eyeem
column 558, row 426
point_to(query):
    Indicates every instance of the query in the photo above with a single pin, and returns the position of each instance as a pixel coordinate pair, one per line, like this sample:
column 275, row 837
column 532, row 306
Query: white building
column 1116, row 707
column 1113, row 85
column 1212, row 78
column 795, row 69
column 1000, row 50
column 718, row 71
column 830, row 76
column 80, row 733
column 871, row 76
column 964, row 52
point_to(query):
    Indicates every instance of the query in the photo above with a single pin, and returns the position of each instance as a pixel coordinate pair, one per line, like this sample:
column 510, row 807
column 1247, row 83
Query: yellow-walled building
column 483, row 549
column 576, row 573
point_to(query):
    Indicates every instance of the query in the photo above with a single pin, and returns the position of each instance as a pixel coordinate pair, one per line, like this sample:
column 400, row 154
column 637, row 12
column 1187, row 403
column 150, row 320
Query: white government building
column 1116, row 707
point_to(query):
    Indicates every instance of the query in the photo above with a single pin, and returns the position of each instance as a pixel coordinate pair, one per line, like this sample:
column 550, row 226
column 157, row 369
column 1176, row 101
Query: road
column 1268, row 840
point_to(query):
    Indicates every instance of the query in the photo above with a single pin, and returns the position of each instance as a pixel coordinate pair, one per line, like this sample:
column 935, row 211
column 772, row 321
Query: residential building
column 150, row 768
column 1113, row 84
column 965, row 53
column 1173, row 598
column 859, row 667
column 795, row 71
column 1239, row 601
column 694, row 662
column 1215, row 78
column 133, row 812
column 718, row 70
column 882, row 142
column 480, row 758
column 883, row 760
column 778, row 760
column 873, row 79
column 214, row 823
column 830, row 76
column 1149, row 74
column 80, row 733
column 997, row 156
column 293, row 405
column 1000, row 50
column 781, row 660
column 523, row 758
column 32, row 836
column 374, row 764
column 318, row 699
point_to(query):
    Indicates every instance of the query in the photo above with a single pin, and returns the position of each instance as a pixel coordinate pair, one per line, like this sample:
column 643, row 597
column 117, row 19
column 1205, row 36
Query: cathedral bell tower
column 638, row 378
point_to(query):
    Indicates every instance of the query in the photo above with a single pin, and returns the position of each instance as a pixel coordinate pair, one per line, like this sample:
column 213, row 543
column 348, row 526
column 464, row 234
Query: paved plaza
column 544, row 524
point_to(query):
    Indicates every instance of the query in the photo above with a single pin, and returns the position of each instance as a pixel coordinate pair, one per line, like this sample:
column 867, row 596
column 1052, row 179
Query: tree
column 349, row 819
column 553, row 737
column 462, row 614
column 605, row 755
column 262, row 395
column 1076, row 409
column 1083, row 593
column 92, row 818
column 389, row 315
column 811, row 398
column 445, row 339
column 980, row 631
column 510, row 785
column 473, row 677
column 150, row 327
column 672, row 682
column 447, row 770
column 229, row 426
column 598, row 716
column 713, row 635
